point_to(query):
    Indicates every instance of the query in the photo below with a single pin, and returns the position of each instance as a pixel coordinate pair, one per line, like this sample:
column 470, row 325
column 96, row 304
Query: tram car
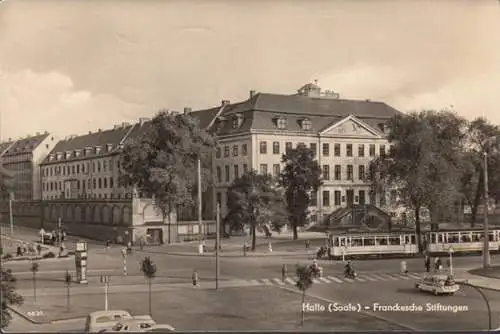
column 461, row 241
column 377, row 245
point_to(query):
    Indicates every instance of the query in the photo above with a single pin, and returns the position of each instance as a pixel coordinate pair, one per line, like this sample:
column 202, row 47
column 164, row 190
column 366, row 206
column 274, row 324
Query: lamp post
column 450, row 252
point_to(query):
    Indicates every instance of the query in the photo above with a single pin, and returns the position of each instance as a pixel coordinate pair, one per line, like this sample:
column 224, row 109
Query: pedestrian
column 19, row 251
column 195, row 277
column 308, row 244
column 39, row 249
column 427, row 263
column 404, row 267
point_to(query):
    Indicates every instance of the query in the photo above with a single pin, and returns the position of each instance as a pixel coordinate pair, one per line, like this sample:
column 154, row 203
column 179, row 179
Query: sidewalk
column 10, row 244
column 485, row 279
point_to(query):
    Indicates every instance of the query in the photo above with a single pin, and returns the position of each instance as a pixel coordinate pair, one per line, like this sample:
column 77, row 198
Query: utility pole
column 200, row 222
column 11, row 217
column 105, row 281
column 486, row 245
column 217, row 264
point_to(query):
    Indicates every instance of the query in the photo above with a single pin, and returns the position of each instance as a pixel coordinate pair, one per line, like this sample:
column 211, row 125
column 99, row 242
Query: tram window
column 491, row 237
column 440, row 239
column 356, row 242
column 413, row 242
column 395, row 241
column 336, row 242
column 433, row 238
column 476, row 237
column 342, row 242
column 453, row 238
column 383, row 241
column 369, row 242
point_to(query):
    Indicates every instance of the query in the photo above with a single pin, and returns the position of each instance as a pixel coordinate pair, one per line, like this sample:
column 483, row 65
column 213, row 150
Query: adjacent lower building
column 22, row 158
column 345, row 134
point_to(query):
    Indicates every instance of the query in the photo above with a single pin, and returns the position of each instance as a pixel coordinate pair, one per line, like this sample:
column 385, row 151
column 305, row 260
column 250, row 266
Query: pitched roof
column 259, row 111
column 93, row 139
column 23, row 145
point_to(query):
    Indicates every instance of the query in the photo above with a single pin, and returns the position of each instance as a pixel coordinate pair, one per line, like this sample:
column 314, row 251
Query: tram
column 404, row 244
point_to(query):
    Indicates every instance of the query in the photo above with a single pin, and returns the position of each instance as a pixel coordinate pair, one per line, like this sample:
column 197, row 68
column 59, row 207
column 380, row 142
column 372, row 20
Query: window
column 244, row 149
column 105, row 183
column 338, row 172
column 104, row 166
column 326, row 172
column 382, row 199
column 78, row 169
column 276, row 170
column 110, row 183
column 98, row 166
column 361, row 172
column 313, row 148
column 288, row 146
column 276, row 147
column 326, row 198
column 89, row 185
column 219, row 174
column 235, row 150
column 362, row 197
column 226, row 151
column 100, row 183
column 263, row 147
column 245, row 168
column 393, row 196
column 263, row 169
column 306, row 124
column 226, row 170
column 337, row 197
column 326, row 149
column 300, row 144
column 314, row 198
column 281, row 123
column 237, row 120
column 382, row 150
column 236, row 172
column 336, row 150
column 348, row 150
column 219, row 198
column 350, row 172
column 361, row 150
column 218, row 153
column 372, row 150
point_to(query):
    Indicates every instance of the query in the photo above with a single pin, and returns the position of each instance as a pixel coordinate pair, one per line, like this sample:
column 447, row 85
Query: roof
column 23, row 145
column 100, row 138
column 259, row 111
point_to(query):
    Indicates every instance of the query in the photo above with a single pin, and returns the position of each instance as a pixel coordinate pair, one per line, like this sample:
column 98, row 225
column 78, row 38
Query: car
column 129, row 325
column 101, row 320
column 438, row 284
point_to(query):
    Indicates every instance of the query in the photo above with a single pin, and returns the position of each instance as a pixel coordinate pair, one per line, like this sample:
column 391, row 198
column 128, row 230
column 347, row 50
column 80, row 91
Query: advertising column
column 81, row 262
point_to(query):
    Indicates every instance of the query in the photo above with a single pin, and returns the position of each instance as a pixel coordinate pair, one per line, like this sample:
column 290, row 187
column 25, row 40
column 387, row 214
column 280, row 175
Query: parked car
column 438, row 284
column 102, row 320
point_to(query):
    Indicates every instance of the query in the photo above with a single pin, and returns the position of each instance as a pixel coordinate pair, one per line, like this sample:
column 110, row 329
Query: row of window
column 84, row 168
column 99, row 183
column 88, row 196
column 325, row 149
column 236, row 151
column 337, row 172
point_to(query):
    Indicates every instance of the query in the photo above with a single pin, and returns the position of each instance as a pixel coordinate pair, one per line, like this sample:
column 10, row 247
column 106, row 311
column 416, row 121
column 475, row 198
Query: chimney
column 187, row 110
column 252, row 93
column 90, row 132
column 225, row 102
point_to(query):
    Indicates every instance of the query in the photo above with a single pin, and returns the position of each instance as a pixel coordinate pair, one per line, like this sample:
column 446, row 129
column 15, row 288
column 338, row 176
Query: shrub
column 7, row 256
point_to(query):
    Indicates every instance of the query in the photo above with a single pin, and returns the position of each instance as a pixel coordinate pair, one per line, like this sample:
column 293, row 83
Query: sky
column 68, row 67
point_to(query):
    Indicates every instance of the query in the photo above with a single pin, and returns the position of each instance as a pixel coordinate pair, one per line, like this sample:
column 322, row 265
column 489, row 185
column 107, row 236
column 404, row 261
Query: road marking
column 335, row 279
column 370, row 278
column 290, row 281
column 278, row 281
column 324, row 280
column 414, row 276
column 379, row 277
column 317, row 281
column 403, row 276
column 390, row 277
column 360, row 279
column 349, row 280
column 267, row 282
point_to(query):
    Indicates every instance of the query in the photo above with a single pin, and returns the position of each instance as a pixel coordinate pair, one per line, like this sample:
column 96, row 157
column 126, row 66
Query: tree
column 34, row 270
column 305, row 275
column 254, row 201
column 148, row 268
column 162, row 162
column 8, row 296
column 300, row 177
column 67, row 282
column 423, row 163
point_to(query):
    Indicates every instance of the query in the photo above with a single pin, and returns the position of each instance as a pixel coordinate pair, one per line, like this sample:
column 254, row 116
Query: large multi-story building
column 22, row 158
column 346, row 135
column 87, row 166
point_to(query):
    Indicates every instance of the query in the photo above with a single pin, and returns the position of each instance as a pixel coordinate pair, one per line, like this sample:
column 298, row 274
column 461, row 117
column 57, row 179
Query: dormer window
column 68, row 155
column 77, row 153
column 109, row 147
column 306, row 124
column 51, row 157
column 382, row 127
column 98, row 150
column 237, row 121
column 59, row 156
column 220, row 123
column 280, row 122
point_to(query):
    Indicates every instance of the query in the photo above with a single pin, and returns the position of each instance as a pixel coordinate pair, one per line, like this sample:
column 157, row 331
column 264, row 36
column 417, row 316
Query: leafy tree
column 35, row 267
column 67, row 282
column 162, row 162
column 423, row 163
column 479, row 132
column 305, row 275
column 148, row 268
column 8, row 296
column 300, row 177
column 253, row 200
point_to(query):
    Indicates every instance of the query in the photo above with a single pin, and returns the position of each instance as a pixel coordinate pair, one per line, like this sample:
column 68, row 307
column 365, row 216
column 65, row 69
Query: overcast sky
column 72, row 66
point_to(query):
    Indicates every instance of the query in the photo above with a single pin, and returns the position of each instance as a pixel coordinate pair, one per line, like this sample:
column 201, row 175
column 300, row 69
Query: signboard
column 81, row 246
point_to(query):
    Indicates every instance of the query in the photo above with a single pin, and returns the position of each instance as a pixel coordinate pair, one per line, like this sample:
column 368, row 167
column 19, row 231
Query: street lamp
column 451, row 251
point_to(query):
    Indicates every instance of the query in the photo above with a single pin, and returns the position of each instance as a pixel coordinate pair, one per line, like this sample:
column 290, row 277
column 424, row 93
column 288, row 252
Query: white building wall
column 39, row 154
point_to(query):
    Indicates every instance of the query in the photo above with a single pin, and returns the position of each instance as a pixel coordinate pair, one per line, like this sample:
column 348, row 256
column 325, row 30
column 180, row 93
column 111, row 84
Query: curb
column 222, row 254
column 369, row 314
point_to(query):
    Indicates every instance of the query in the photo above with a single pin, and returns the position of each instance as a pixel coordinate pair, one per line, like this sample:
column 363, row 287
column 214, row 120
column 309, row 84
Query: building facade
column 87, row 166
column 345, row 134
column 22, row 158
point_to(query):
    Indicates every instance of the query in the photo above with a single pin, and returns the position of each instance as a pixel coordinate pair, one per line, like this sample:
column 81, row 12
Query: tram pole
column 486, row 241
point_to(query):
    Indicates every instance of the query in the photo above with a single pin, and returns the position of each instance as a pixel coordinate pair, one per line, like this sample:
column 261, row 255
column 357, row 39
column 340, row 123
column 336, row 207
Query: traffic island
column 492, row 272
column 249, row 308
